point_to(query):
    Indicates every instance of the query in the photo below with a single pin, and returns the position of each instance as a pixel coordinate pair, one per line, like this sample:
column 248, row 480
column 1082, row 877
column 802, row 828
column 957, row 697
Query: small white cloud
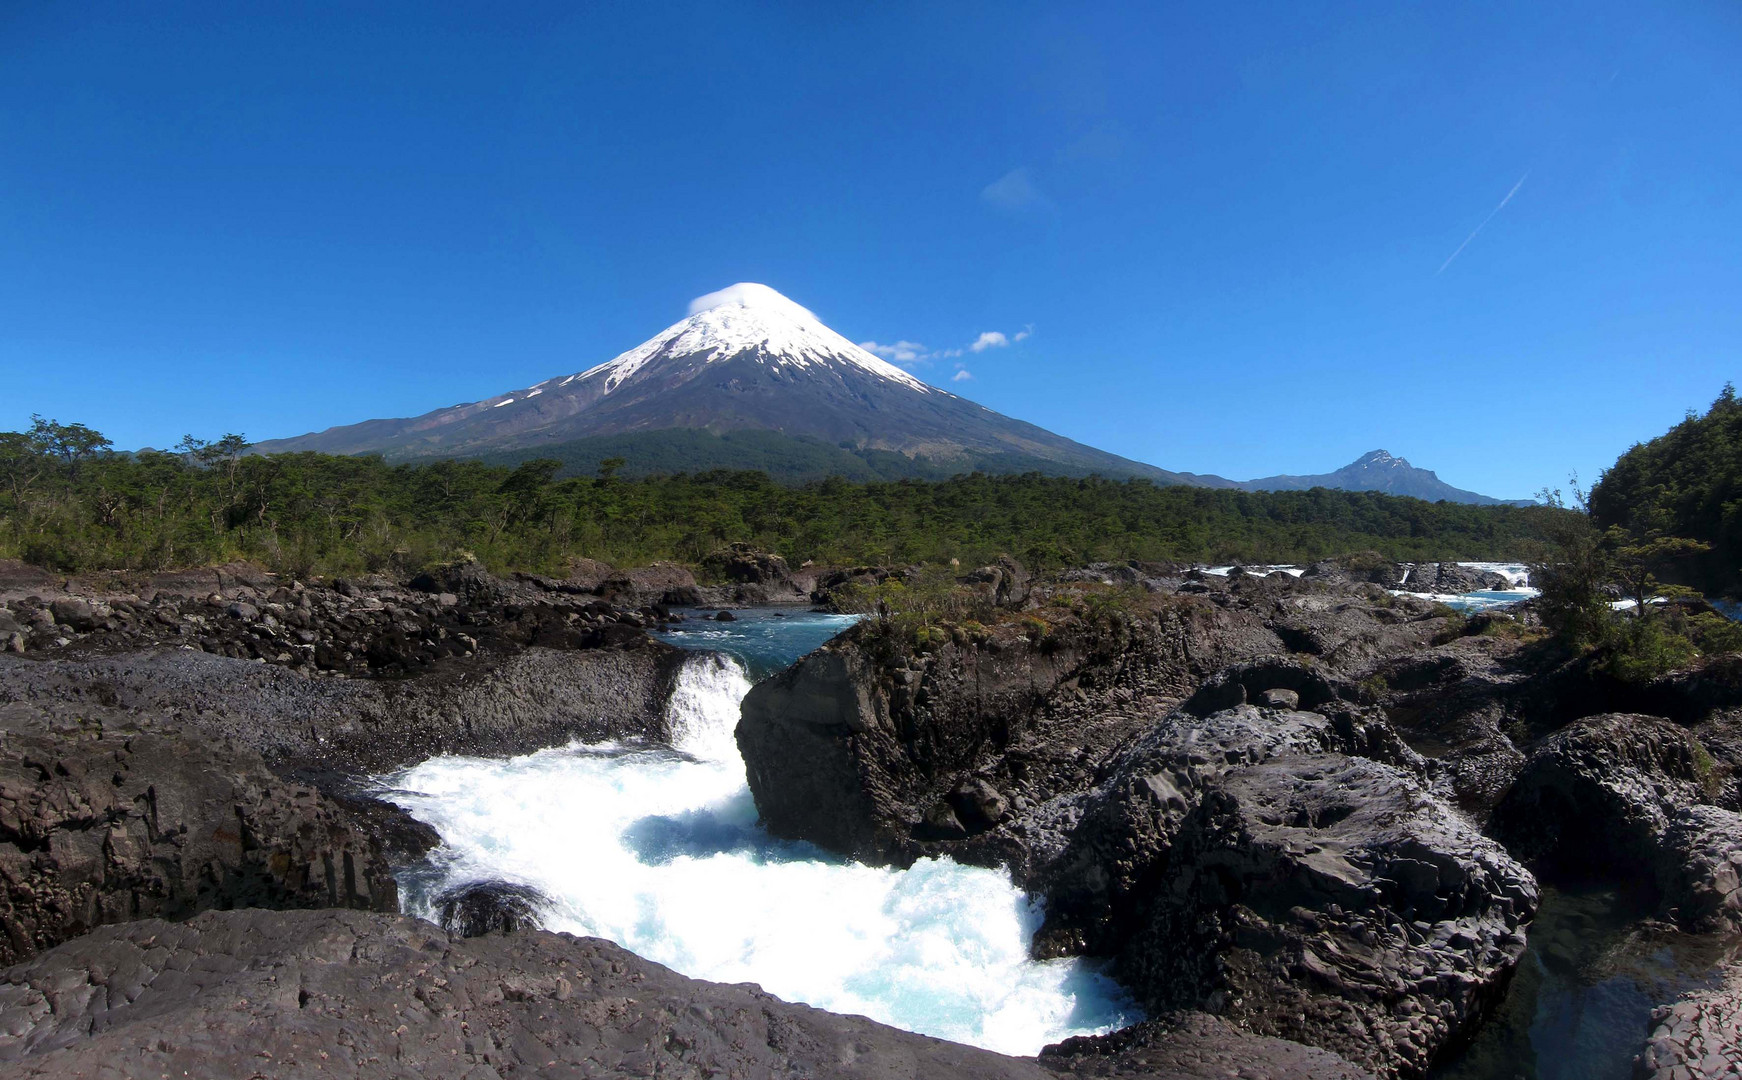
column 991, row 339
column 1016, row 190
column 962, row 375
column 902, row 352
column 1027, row 331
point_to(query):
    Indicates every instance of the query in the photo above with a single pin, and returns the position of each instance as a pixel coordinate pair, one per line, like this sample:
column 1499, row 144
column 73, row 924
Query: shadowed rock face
column 307, row 994
column 1628, row 797
column 103, row 819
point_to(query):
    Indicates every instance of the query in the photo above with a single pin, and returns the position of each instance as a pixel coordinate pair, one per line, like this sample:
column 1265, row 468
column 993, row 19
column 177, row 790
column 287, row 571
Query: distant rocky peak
column 1380, row 459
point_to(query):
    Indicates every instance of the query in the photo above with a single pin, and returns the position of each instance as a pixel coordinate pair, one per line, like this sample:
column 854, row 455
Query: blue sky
column 1228, row 230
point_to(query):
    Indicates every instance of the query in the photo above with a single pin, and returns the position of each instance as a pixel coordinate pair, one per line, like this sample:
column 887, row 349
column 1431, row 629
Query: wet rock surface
column 293, row 994
column 1698, row 1037
column 489, row 907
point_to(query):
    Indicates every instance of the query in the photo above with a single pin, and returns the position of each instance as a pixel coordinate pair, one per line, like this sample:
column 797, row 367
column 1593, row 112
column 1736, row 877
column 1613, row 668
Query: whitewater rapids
column 658, row 849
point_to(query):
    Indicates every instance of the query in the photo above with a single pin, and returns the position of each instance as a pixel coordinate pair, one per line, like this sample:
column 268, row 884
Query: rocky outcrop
column 314, row 994
column 1698, row 1037
column 894, row 742
column 1448, row 579
column 1003, row 583
column 104, row 818
column 346, row 628
column 166, row 781
column 532, row 699
column 871, row 749
column 1623, row 797
column 1264, row 865
column 1195, row 1044
column 748, row 576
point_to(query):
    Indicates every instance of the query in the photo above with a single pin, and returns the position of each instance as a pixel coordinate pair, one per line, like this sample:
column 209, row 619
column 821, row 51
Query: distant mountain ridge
column 1378, row 470
column 752, row 380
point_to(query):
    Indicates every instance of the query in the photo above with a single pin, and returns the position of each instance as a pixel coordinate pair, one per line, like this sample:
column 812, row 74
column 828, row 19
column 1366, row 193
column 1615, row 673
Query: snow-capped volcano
column 745, row 359
column 749, row 317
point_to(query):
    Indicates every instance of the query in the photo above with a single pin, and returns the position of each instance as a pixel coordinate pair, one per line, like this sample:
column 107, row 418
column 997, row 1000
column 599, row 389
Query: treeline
column 69, row 502
column 1686, row 482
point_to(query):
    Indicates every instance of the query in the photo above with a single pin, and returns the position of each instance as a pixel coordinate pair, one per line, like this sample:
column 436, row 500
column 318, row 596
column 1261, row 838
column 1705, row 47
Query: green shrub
column 1645, row 648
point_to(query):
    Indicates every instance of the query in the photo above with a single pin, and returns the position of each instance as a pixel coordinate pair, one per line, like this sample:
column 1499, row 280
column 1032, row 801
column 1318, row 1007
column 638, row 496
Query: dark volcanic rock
column 1625, row 797
column 1449, row 578
column 529, row 700
column 1249, row 862
column 489, row 906
column 333, row 993
column 1196, row 1044
column 752, row 577
column 104, row 818
column 1698, row 1037
column 858, row 746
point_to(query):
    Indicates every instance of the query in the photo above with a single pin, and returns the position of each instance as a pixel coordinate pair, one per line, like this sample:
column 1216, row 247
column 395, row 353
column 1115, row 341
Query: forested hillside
column 1686, row 482
column 67, row 501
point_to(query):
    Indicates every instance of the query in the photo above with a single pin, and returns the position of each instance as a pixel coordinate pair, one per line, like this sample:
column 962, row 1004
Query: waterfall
column 658, row 848
column 703, row 711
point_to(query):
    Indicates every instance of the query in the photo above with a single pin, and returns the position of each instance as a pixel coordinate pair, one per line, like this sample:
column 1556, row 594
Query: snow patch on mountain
column 749, row 317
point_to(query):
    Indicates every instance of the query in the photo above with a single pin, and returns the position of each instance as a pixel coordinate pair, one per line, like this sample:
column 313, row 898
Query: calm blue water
column 1579, row 1007
column 764, row 640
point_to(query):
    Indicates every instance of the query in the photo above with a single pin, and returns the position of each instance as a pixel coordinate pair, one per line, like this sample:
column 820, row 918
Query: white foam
column 1255, row 571
column 1516, row 574
column 660, row 851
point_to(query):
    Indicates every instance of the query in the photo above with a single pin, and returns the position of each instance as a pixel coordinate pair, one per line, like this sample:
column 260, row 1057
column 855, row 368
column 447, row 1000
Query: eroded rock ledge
column 335, row 993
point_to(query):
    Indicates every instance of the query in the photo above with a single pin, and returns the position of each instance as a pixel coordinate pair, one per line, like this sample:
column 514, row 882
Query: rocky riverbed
column 1301, row 817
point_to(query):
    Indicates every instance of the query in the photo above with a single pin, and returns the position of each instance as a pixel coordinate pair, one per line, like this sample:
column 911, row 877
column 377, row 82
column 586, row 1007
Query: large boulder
column 1626, row 797
column 1447, row 578
column 1260, row 864
column 1004, row 583
column 656, row 583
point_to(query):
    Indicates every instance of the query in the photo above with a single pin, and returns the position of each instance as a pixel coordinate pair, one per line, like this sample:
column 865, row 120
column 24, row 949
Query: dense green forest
column 788, row 459
column 69, row 502
column 1686, row 482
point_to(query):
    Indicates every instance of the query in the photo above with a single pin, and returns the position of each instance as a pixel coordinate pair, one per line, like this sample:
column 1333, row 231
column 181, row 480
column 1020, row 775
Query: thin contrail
column 1484, row 224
